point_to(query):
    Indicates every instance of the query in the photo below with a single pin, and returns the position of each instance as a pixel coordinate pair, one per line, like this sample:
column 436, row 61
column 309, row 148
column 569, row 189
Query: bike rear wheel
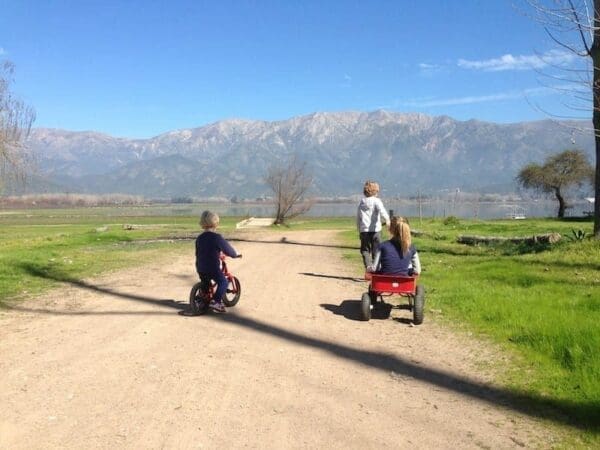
column 198, row 303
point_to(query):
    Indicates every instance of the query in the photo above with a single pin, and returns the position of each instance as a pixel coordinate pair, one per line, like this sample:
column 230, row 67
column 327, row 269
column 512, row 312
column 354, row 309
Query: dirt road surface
column 115, row 362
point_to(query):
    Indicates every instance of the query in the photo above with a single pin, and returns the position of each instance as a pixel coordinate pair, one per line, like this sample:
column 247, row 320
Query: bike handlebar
column 223, row 256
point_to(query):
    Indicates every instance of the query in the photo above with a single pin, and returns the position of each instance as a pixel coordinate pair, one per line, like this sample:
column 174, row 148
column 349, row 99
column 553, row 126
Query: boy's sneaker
column 217, row 306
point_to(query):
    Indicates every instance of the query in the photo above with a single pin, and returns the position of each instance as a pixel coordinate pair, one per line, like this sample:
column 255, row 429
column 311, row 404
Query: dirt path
column 113, row 363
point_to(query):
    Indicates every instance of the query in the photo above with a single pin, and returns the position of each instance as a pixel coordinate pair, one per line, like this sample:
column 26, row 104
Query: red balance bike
column 388, row 285
column 203, row 291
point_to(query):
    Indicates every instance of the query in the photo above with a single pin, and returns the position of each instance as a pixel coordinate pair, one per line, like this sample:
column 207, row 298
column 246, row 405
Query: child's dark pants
column 369, row 242
column 221, row 281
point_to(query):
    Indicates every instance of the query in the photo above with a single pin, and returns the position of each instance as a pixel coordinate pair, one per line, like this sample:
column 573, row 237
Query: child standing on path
column 209, row 246
column 371, row 213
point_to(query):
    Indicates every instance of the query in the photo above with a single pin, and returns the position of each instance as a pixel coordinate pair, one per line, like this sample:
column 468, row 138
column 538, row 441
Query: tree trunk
column 279, row 215
column 595, row 54
column 561, row 203
column 597, row 140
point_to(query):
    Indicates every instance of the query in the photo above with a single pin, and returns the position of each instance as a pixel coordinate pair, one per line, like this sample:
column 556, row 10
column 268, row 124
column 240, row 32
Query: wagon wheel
column 365, row 306
column 419, row 305
column 373, row 296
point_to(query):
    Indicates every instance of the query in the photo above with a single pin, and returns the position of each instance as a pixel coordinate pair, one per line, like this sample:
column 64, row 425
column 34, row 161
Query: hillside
column 405, row 152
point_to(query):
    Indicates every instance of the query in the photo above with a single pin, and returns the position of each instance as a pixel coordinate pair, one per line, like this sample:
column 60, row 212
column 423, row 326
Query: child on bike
column 209, row 246
column 369, row 217
column 397, row 256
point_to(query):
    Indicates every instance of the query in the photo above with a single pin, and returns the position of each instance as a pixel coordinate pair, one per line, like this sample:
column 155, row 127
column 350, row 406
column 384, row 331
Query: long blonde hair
column 401, row 233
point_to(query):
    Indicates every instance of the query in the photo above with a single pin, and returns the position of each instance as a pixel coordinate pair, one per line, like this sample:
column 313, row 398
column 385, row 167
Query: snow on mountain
column 405, row 152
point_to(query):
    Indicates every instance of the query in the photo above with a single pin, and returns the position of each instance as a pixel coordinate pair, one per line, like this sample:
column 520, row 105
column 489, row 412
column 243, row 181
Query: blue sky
column 140, row 68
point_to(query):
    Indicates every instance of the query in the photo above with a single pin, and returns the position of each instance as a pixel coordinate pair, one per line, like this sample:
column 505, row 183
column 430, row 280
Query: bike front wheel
column 234, row 290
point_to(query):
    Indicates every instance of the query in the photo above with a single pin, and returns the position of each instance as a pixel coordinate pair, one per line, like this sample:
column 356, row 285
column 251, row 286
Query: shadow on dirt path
column 555, row 410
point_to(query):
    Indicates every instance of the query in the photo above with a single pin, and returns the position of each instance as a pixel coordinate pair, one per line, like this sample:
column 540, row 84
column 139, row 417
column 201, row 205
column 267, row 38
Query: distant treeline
column 66, row 200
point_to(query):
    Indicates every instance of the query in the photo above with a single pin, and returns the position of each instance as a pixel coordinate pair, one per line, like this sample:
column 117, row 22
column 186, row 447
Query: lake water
column 482, row 210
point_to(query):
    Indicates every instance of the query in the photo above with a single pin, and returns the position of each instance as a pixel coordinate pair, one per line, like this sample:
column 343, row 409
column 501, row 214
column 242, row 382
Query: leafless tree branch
column 290, row 183
column 572, row 18
column 16, row 119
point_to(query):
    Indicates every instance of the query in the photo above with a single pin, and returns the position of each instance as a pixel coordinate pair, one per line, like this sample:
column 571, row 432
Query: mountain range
column 404, row 152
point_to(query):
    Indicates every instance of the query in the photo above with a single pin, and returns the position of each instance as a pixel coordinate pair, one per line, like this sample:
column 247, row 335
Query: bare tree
column 290, row 182
column 575, row 26
column 558, row 173
column 16, row 119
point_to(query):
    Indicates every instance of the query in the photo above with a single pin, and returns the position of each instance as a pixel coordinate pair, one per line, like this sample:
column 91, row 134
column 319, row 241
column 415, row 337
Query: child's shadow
column 350, row 309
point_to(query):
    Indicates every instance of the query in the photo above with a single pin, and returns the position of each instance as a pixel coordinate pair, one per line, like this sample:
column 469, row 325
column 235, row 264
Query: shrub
column 451, row 220
column 578, row 235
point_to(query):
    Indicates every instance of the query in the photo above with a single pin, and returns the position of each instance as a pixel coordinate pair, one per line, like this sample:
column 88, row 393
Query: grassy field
column 81, row 243
column 541, row 303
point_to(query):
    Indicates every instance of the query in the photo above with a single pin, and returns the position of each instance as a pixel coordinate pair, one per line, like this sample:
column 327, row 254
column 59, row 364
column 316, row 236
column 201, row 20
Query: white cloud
column 430, row 70
column 347, row 81
column 520, row 62
column 457, row 100
column 2, row 51
column 511, row 95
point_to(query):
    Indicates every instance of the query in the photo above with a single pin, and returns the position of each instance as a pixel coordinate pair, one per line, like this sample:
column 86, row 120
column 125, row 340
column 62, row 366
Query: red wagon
column 388, row 285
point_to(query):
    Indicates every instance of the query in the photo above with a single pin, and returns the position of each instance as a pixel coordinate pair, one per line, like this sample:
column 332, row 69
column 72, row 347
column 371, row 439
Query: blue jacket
column 209, row 246
column 393, row 262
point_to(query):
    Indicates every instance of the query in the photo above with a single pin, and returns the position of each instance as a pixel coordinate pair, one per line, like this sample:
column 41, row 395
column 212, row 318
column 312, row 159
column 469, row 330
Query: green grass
column 76, row 244
column 541, row 303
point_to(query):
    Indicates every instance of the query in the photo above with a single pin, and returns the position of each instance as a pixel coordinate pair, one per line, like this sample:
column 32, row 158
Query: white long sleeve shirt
column 370, row 215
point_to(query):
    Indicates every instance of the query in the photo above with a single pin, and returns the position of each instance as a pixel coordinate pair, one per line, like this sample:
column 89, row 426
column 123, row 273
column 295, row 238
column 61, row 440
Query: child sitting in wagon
column 397, row 256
